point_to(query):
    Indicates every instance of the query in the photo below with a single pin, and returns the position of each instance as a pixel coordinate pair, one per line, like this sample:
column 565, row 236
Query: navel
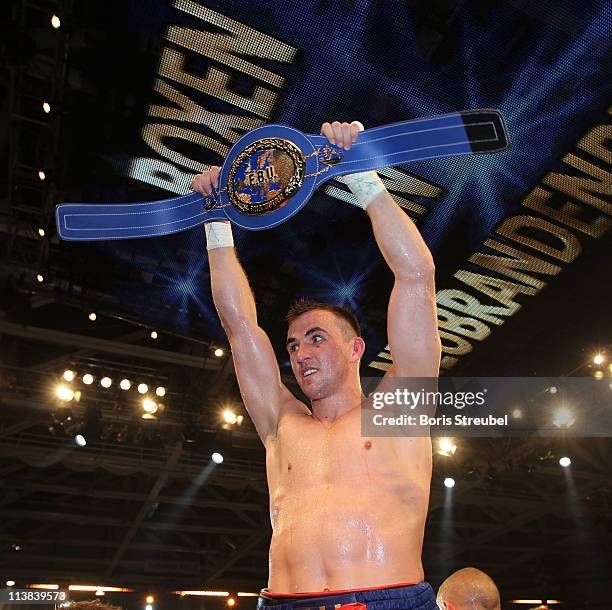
column 289, row 466
column 367, row 444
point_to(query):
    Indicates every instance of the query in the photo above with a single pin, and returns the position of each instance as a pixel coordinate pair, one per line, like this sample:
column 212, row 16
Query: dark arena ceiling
column 132, row 118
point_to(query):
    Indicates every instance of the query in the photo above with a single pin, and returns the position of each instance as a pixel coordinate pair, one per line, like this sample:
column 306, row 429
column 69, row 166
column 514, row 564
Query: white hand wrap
column 219, row 234
column 366, row 186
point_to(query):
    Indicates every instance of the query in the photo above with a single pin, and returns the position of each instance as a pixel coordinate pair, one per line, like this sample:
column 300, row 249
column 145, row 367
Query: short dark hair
column 304, row 305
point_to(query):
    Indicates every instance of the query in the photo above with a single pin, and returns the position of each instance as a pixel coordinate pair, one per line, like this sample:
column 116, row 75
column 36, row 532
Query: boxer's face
column 321, row 352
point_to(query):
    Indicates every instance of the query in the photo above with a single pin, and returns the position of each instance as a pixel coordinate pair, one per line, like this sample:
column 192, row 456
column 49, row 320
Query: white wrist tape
column 219, row 234
column 366, row 186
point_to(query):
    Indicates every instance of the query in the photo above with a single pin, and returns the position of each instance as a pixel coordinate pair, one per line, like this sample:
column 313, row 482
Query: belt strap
column 459, row 133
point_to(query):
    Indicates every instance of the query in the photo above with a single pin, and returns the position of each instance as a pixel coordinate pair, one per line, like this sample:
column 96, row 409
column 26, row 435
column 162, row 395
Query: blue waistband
column 414, row 597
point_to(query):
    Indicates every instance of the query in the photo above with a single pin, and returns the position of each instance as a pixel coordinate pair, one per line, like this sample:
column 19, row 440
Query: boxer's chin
column 312, row 388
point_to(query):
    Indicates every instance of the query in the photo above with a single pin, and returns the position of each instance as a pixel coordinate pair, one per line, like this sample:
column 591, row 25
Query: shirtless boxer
column 347, row 512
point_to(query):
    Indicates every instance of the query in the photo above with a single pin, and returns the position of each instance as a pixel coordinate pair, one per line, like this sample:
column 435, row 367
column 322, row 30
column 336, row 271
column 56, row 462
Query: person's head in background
column 468, row 589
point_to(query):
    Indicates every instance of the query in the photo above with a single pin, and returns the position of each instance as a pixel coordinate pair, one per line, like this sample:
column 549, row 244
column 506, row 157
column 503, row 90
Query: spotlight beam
column 153, row 494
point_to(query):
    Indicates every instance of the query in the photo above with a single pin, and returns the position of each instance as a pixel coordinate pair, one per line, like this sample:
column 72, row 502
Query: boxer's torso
column 347, row 511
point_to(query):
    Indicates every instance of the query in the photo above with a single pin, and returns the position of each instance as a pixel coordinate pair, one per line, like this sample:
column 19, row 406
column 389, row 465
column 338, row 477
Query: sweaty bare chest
column 308, row 452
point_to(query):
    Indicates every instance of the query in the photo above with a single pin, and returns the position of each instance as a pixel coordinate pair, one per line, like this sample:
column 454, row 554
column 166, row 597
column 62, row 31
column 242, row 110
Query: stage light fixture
column 148, row 416
column 160, row 391
column 106, row 382
column 46, row 107
column 64, row 392
column 143, row 388
column 150, row 599
column 565, row 462
column 56, row 22
column 517, row 413
column 598, row 359
column 77, row 395
column 41, row 175
column 552, row 389
column 41, row 231
column 202, row 593
column 231, row 602
column 564, row 418
column 16, row 547
column 149, row 406
column 40, row 278
column 148, row 607
column 446, row 447
column 79, row 440
column 69, row 375
column 153, row 334
column 449, row 482
column 88, row 379
column 219, row 352
column 43, row 586
column 99, row 592
column 10, row 583
column 229, row 417
column 216, row 457
column 125, row 384
column 598, row 375
column 92, row 316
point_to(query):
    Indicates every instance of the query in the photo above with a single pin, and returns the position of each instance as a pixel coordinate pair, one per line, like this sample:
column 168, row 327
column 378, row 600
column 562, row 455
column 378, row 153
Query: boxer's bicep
column 258, row 377
column 412, row 327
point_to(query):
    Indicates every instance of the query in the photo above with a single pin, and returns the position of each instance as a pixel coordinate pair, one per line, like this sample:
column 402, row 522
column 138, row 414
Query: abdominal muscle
column 335, row 539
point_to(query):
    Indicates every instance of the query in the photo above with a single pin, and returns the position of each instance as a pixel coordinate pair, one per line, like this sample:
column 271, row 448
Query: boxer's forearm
column 398, row 238
column 231, row 292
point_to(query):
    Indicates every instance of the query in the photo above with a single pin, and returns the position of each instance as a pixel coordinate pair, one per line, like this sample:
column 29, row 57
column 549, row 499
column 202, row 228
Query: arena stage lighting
column 64, row 393
column 149, row 406
column 229, row 417
column 564, row 418
column 446, row 447
column 216, row 457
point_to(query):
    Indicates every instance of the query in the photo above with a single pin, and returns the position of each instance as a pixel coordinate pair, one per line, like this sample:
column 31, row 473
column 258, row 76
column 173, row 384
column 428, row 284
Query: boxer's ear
column 358, row 348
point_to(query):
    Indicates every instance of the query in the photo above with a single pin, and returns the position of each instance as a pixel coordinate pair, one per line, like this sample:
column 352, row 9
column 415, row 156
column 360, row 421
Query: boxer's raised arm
column 412, row 324
column 254, row 360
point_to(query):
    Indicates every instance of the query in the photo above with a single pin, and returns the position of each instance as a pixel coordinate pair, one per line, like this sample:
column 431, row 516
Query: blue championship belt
column 271, row 172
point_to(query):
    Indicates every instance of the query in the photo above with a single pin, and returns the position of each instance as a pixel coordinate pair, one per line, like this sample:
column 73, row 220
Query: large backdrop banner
column 196, row 75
